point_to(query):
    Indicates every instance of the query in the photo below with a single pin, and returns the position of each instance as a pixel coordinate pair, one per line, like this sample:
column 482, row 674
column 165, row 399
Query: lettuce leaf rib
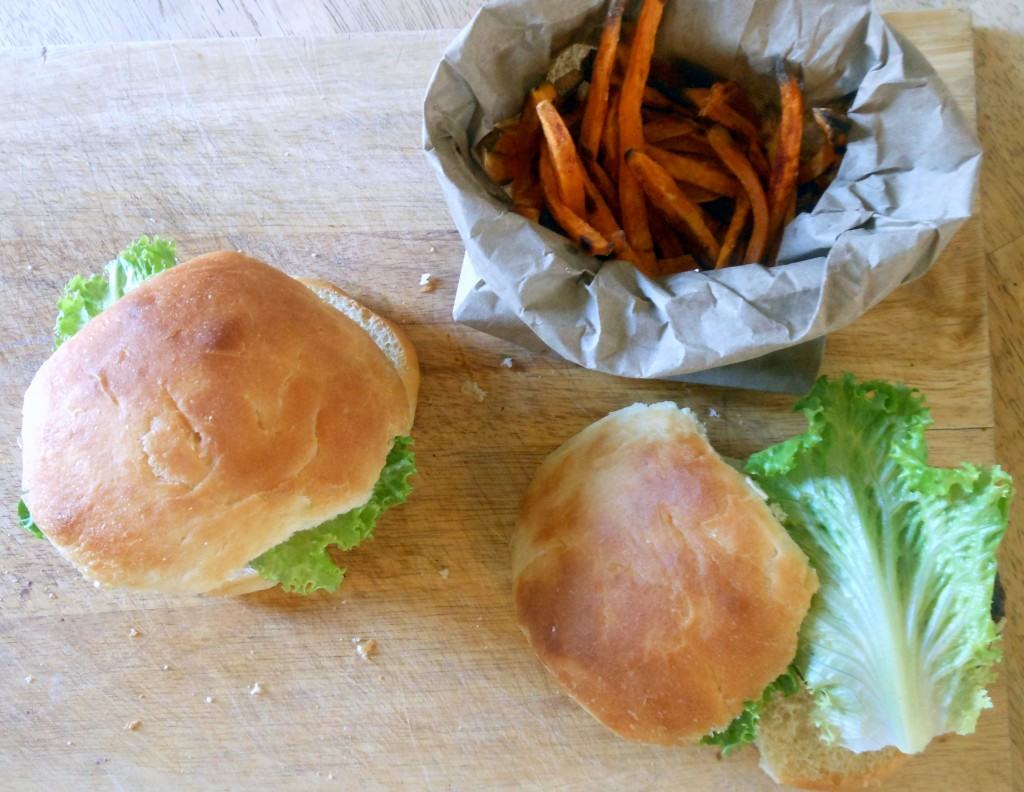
column 898, row 645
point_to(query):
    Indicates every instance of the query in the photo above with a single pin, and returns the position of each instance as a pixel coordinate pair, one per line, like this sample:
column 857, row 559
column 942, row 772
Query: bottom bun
column 792, row 751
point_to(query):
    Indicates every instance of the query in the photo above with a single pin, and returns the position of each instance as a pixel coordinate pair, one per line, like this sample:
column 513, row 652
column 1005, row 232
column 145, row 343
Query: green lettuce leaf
column 302, row 563
column 84, row 298
column 898, row 645
column 26, row 520
column 743, row 729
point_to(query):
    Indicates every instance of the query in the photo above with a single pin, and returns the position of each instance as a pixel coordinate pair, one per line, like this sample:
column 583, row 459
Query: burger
column 214, row 427
column 828, row 601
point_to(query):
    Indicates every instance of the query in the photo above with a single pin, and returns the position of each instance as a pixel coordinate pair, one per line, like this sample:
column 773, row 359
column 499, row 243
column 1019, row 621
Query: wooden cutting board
column 307, row 153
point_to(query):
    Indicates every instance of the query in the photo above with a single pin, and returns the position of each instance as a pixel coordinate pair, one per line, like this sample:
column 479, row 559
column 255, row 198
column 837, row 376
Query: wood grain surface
column 306, row 152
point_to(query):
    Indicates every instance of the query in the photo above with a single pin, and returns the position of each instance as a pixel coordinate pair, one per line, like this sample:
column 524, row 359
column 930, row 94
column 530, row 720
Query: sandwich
column 214, row 427
column 828, row 601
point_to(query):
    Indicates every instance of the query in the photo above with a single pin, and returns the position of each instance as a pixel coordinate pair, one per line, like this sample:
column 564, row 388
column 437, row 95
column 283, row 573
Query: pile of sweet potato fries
column 666, row 175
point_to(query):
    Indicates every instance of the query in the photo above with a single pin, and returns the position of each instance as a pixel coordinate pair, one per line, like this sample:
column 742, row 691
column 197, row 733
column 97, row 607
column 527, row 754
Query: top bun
column 652, row 579
column 202, row 419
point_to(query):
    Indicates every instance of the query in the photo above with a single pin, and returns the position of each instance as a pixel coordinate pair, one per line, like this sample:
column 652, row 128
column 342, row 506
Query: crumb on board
column 133, row 725
column 134, row 632
column 366, row 649
column 427, row 283
column 443, row 572
column 471, row 388
column 507, row 362
column 165, row 667
column 356, row 639
column 210, row 699
column 29, row 679
column 712, row 412
column 256, row 689
column 51, row 594
column 433, row 249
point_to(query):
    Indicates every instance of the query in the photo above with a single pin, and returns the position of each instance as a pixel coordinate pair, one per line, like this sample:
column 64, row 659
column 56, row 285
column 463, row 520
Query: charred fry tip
column 786, row 71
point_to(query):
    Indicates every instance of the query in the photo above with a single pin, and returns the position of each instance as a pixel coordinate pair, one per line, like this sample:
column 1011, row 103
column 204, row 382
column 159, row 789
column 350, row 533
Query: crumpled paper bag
column 905, row 186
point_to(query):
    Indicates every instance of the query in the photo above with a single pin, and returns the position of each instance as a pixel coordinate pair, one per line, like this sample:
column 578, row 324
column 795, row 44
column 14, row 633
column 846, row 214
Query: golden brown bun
column 202, row 419
column 792, row 753
column 391, row 339
column 652, row 580
column 393, row 342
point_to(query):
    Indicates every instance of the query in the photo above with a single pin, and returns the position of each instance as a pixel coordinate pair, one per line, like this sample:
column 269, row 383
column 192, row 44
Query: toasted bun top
column 652, row 580
column 202, row 419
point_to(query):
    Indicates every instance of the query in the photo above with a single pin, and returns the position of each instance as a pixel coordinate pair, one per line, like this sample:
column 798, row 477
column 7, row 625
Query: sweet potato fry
column 666, row 242
column 786, row 164
column 718, row 109
column 823, row 158
column 499, row 167
column 732, row 234
column 666, row 196
column 655, row 98
column 528, row 200
column 694, row 171
column 734, row 159
column 698, row 194
column 610, row 139
column 669, row 127
column 563, row 157
column 697, row 96
column 631, row 130
column 574, row 226
column 527, row 197
column 671, row 266
column 687, row 145
column 600, row 81
column 604, row 184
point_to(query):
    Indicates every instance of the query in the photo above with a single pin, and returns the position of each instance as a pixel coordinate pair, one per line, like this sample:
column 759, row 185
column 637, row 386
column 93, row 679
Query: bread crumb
column 132, row 725
column 68, row 743
column 356, row 639
column 165, row 667
column 712, row 412
column 256, row 689
column 443, row 572
column 141, row 696
column 330, row 776
column 314, row 254
column 507, row 362
column 30, row 679
column 433, row 249
column 427, row 283
column 366, row 649
column 209, row 699
column 51, row 594
column 470, row 388
column 134, row 633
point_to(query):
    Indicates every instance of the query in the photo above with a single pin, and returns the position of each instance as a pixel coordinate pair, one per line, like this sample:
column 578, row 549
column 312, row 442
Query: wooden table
column 305, row 152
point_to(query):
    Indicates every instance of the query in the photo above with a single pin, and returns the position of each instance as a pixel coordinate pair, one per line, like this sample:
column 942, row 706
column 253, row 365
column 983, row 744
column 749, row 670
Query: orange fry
column 563, row 157
column 574, row 226
column 604, row 183
column 718, row 109
column 610, row 139
column 655, row 98
column 527, row 196
column 823, row 158
column 666, row 241
column 694, row 171
column 687, row 145
column 600, row 80
column 683, row 263
column 734, row 159
column 671, row 202
column 669, row 127
column 732, row 233
column 631, row 130
column 786, row 164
